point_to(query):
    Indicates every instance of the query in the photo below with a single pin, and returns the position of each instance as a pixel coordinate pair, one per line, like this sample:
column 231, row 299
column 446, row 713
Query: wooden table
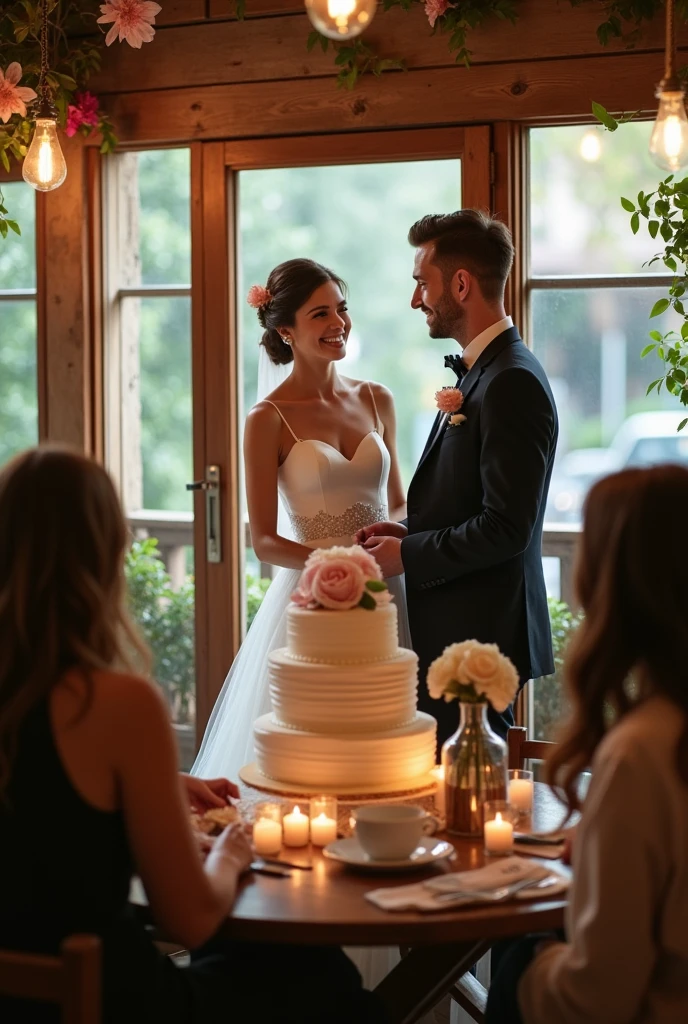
column 326, row 906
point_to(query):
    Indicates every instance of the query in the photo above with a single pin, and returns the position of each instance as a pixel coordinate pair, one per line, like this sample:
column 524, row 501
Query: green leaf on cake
column 368, row 602
column 376, row 586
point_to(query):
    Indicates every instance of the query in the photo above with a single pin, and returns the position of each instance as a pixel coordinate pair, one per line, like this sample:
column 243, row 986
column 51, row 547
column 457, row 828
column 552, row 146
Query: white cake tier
column 343, row 698
column 394, row 757
column 342, row 638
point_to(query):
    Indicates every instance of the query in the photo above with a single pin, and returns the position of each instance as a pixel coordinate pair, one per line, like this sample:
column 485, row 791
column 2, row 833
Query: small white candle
column 267, row 836
column 499, row 835
column 521, row 795
column 295, row 827
column 323, row 830
column 440, row 802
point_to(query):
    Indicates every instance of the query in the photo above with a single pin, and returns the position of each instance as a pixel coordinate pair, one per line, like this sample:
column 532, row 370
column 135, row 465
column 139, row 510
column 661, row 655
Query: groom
column 471, row 546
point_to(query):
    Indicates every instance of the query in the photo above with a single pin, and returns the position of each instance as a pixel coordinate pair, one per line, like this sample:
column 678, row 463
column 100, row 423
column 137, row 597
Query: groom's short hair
column 471, row 240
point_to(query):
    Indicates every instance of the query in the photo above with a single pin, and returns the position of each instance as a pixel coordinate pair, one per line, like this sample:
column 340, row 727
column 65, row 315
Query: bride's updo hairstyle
column 288, row 288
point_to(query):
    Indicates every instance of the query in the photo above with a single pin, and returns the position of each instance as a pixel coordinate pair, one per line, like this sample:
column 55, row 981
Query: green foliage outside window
column 550, row 703
column 165, row 617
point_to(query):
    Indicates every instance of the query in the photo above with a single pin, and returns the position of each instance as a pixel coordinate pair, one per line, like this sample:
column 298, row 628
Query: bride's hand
column 205, row 793
column 381, row 530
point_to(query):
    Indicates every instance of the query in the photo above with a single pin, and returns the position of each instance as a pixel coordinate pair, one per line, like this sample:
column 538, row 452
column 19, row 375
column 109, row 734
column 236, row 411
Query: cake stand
column 419, row 791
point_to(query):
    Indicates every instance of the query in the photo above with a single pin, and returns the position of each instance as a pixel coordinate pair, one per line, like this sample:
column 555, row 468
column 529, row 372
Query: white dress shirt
column 482, row 340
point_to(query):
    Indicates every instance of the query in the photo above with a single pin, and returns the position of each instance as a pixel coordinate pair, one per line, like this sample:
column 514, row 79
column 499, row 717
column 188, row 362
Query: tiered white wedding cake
column 343, row 692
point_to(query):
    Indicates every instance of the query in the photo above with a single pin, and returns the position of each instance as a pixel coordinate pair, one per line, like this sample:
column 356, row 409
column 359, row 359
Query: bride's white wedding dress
column 328, row 498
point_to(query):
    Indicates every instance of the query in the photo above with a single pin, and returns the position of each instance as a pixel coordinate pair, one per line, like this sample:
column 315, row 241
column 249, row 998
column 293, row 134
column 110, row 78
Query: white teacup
column 390, row 831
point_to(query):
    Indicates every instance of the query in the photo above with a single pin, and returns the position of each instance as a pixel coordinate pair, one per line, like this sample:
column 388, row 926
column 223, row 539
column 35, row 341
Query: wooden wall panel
column 485, row 93
column 263, row 49
column 64, row 325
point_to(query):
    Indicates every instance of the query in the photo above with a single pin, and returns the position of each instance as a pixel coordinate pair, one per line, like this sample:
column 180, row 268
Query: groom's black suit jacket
column 476, row 505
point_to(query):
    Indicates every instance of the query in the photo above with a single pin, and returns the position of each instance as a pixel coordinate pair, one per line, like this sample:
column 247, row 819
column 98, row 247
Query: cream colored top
column 627, row 961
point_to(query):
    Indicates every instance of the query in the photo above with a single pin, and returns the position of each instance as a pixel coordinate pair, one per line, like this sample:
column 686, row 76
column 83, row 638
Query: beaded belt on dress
column 323, row 525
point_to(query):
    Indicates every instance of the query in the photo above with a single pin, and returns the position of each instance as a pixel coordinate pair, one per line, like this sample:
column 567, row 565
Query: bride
column 325, row 445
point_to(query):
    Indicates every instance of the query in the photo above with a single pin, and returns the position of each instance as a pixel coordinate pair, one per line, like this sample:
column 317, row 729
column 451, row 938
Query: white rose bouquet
column 473, row 673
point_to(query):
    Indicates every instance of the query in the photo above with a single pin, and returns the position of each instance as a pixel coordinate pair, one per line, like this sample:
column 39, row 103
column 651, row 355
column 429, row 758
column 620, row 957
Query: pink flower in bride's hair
column 13, row 97
column 449, row 400
column 338, row 584
column 83, row 111
column 258, row 296
column 131, row 20
column 435, row 9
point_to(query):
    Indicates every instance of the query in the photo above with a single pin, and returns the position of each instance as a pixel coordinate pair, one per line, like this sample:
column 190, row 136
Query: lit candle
column 267, row 836
column 295, row 828
column 323, row 830
column 521, row 795
column 499, row 835
column 440, row 803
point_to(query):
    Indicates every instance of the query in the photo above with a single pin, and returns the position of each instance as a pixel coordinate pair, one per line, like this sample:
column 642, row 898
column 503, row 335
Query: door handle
column 213, row 511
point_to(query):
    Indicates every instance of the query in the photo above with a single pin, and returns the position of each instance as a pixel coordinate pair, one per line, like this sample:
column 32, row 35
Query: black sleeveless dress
column 66, row 867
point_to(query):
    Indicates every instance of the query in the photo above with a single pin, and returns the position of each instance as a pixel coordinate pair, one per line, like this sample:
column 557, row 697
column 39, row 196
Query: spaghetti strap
column 378, row 421
column 297, row 439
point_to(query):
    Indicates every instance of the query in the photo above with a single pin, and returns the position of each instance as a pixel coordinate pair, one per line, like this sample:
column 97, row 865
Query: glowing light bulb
column 340, row 19
column 590, row 147
column 669, row 140
column 44, row 164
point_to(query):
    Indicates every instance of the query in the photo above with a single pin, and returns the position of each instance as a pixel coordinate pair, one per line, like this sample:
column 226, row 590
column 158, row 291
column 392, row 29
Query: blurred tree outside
column 18, row 383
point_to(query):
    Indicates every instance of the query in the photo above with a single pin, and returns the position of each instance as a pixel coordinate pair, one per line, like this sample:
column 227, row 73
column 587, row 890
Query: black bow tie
column 456, row 364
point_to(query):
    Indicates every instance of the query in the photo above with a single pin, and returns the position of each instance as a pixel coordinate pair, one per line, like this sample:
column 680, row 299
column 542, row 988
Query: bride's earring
column 285, row 339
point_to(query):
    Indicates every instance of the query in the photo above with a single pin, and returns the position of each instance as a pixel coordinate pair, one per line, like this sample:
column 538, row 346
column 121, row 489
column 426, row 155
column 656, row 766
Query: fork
column 494, row 895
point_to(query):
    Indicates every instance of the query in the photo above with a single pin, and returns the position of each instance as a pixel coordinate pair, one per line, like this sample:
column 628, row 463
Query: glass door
column 354, row 217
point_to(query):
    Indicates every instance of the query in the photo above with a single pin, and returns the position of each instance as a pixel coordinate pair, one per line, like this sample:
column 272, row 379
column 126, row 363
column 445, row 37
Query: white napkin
column 505, row 871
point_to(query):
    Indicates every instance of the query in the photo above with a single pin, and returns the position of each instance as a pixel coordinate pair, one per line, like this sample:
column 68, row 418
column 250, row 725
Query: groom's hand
column 387, row 553
column 380, row 530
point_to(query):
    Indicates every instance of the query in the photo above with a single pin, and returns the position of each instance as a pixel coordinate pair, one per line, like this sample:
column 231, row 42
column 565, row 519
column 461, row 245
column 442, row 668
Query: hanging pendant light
column 45, row 167
column 669, row 140
column 340, row 19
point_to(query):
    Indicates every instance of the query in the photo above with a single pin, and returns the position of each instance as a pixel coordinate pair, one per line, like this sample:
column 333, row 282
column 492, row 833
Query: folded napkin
column 506, row 871
column 552, row 850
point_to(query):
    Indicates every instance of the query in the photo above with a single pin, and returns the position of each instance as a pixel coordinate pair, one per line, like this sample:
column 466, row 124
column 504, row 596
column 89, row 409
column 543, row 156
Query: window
column 18, row 361
column 590, row 299
column 149, row 404
column 590, row 295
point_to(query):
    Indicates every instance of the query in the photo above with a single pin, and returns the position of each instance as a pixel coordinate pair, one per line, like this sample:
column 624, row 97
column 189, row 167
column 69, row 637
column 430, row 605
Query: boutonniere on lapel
column 449, row 401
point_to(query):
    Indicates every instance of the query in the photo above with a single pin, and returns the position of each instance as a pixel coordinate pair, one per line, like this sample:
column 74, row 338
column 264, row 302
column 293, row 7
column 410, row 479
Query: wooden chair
column 71, row 980
column 520, row 748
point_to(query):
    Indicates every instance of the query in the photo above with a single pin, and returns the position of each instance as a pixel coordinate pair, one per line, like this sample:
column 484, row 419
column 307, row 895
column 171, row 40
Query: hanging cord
column 670, row 46
column 45, row 104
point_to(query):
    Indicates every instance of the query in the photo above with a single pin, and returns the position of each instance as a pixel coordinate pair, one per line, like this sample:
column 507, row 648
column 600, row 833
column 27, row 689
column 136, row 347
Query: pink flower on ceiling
column 83, row 111
column 435, row 9
column 13, row 97
column 131, row 20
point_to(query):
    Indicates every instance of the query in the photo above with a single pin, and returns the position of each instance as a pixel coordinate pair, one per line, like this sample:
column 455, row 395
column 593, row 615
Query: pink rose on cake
column 338, row 584
column 339, row 579
column 473, row 672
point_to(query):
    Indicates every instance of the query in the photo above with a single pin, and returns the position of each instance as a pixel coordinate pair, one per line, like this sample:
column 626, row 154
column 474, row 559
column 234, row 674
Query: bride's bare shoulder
column 264, row 417
column 382, row 395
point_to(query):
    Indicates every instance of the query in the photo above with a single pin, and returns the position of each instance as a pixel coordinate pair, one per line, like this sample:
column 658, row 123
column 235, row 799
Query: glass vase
column 475, row 770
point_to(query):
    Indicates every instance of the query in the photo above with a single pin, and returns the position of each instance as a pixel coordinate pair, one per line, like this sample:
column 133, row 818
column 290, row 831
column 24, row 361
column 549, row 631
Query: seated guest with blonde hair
column 89, row 791
column 626, row 959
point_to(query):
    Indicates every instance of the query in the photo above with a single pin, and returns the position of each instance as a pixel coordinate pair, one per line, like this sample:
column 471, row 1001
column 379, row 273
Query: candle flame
column 296, row 810
column 474, row 804
column 498, row 816
column 321, row 817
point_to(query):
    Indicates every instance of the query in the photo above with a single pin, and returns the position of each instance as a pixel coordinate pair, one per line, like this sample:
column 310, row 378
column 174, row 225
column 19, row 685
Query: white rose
column 440, row 674
column 491, row 674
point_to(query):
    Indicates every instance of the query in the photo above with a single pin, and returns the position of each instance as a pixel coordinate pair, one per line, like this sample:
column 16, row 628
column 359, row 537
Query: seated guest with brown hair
column 626, row 959
column 89, row 791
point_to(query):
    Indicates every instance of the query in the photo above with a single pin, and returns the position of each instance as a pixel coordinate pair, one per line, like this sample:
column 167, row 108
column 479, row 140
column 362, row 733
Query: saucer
column 350, row 851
